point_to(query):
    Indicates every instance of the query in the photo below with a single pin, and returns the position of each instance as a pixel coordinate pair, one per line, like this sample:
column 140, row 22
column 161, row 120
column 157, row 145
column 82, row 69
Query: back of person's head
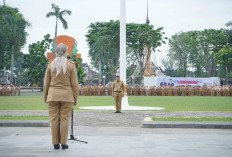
column 59, row 63
column 61, row 50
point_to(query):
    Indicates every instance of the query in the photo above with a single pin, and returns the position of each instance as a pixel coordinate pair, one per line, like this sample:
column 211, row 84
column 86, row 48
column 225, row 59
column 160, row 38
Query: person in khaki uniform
column 135, row 90
column 103, row 90
column 4, row 91
column 109, row 89
column 8, row 91
column 118, row 93
column 95, row 90
column 170, row 91
column 60, row 94
column 128, row 90
column 14, row 91
column 230, row 90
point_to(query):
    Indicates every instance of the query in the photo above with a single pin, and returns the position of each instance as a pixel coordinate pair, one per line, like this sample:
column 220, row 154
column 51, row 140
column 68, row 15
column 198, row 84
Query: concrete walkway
column 125, row 119
column 118, row 142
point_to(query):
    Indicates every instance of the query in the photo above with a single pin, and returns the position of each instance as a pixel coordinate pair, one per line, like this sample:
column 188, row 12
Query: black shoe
column 117, row 112
column 64, row 146
column 56, row 146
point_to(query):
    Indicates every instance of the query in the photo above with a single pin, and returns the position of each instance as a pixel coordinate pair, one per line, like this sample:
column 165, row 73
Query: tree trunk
column 100, row 69
column 32, row 86
column 226, row 79
column 214, row 69
column 4, row 71
column 12, row 65
column 141, row 73
column 55, row 38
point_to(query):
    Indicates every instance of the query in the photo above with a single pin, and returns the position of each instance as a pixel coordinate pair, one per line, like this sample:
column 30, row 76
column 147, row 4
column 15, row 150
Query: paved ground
column 125, row 119
column 119, row 142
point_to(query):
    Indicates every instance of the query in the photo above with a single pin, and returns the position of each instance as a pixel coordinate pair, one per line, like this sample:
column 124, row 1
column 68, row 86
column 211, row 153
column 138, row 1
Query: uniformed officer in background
column 19, row 90
column 118, row 93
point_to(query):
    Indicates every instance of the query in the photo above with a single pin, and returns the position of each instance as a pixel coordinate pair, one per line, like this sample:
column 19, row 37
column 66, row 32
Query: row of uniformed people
column 10, row 90
column 159, row 91
column 95, row 90
column 181, row 91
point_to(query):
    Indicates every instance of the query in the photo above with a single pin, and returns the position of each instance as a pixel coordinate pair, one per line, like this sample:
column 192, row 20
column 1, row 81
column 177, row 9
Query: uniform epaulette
column 71, row 61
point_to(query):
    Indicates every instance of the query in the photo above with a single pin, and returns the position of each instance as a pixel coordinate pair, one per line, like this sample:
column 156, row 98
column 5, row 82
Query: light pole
column 100, row 69
column 104, row 80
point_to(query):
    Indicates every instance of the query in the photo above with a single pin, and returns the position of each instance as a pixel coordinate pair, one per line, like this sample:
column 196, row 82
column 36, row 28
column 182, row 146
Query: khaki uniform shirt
column 64, row 87
column 118, row 86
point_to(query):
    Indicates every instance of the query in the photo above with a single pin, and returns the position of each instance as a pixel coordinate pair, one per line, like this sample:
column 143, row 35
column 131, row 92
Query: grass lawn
column 172, row 103
column 8, row 117
column 205, row 119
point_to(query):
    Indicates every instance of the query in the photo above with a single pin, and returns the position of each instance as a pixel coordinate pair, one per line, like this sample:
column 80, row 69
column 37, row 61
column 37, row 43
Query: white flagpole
column 123, row 49
column 123, row 41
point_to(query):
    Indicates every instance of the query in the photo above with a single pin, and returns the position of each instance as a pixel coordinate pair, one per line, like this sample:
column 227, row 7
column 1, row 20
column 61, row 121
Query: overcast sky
column 173, row 15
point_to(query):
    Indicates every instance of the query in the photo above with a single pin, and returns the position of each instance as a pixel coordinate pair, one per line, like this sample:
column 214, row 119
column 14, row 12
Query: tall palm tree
column 17, row 36
column 58, row 13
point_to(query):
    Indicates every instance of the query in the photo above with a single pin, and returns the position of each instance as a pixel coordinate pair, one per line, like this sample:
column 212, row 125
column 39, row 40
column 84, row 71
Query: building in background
column 5, row 77
column 92, row 77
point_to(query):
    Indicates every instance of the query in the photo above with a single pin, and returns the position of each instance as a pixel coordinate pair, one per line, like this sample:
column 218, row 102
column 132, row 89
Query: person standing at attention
column 60, row 94
column 118, row 93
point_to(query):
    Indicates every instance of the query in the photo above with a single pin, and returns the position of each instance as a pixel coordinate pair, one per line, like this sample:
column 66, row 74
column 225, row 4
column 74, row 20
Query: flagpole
column 122, row 69
column 123, row 40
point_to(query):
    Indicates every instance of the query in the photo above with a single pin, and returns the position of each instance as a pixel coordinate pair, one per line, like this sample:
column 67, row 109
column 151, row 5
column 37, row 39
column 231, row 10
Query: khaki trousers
column 118, row 100
column 59, row 115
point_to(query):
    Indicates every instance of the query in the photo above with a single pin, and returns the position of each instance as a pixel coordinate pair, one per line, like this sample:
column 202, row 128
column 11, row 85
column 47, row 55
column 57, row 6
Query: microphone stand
column 72, row 137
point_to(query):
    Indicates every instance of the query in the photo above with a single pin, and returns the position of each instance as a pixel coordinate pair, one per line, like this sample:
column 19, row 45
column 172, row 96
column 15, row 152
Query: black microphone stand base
column 75, row 139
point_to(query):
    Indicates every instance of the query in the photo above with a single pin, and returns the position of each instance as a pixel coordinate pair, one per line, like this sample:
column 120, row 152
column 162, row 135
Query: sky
column 173, row 15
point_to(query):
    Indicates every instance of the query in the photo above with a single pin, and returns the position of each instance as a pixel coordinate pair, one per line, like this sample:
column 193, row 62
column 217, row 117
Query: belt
column 58, row 86
column 117, row 91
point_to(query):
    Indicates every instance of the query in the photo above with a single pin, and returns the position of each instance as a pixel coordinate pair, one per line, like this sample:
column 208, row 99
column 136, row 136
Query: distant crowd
column 88, row 90
column 10, row 90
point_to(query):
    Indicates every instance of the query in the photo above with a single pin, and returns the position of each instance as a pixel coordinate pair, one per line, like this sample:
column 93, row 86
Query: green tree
column 224, row 58
column 196, row 49
column 179, row 53
column 141, row 37
column 4, row 36
column 12, row 35
column 58, row 13
column 17, row 35
column 24, row 78
column 103, row 40
column 210, row 42
column 35, row 62
column 80, row 70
